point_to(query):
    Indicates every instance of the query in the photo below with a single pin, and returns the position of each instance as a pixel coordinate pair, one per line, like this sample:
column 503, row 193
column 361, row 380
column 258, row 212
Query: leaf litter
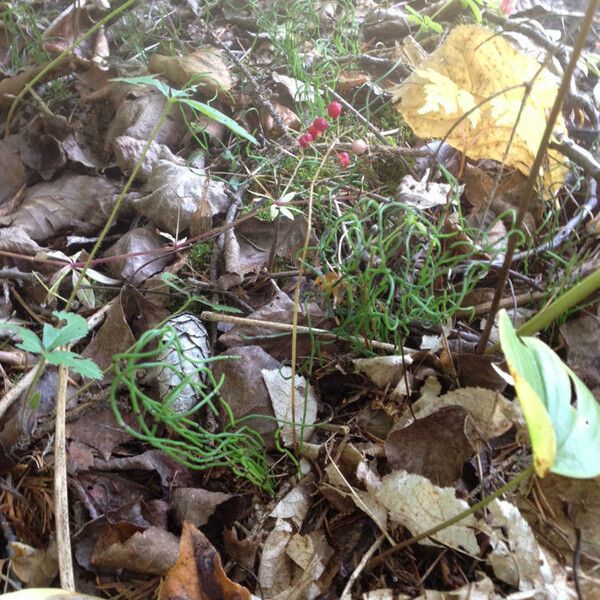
column 175, row 153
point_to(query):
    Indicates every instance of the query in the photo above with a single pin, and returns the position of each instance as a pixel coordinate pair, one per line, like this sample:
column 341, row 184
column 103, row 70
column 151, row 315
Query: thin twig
column 360, row 567
column 19, row 388
column 323, row 334
column 61, row 498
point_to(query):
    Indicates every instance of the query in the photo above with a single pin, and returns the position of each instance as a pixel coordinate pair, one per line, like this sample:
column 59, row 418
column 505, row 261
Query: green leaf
column 550, row 392
column 74, row 330
column 30, row 342
column 161, row 86
column 84, row 366
column 217, row 115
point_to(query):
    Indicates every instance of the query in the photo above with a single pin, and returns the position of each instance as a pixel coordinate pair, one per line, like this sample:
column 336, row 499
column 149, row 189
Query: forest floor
column 256, row 257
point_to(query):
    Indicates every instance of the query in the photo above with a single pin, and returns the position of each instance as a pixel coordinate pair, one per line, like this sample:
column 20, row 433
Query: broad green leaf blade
column 539, row 425
column 217, row 115
column 30, row 342
column 84, row 366
column 569, row 404
column 74, row 330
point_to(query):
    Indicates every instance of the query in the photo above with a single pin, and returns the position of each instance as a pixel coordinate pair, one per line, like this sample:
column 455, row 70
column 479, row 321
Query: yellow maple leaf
column 473, row 87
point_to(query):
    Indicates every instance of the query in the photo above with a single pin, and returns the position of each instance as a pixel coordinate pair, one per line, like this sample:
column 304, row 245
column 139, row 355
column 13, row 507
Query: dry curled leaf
column 198, row 574
column 474, row 84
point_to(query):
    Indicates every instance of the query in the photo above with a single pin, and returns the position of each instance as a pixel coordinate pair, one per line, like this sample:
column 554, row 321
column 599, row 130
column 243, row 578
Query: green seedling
column 183, row 97
column 48, row 348
column 562, row 415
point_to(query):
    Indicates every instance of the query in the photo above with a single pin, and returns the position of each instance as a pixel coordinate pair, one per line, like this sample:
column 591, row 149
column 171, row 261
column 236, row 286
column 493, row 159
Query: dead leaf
column 520, row 561
column 436, row 446
column 48, row 594
column 13, row 174
column 175, row 192
column 124, row 545
column 171, row 473
column 472, row 65
column 34, row 567
column 423, row 194
column 475, row 370
column 572, row 503
column 244, row 388
column 198, row 574
column 17, row 240
column 196, row 505
column 278, row 382
column 294, row 505
column 140, row 257
column 128, row 151
column 113, row 337
column 275, row 570
column 248, row 247
column 479, row 590
column 414, row 502
column 279, row 309
column 383, row 370
column 80, row 457
column 242, row 551
column 492, row 412
column 138, row 109
column 582, row 336
column 99, row 430
column 288, row 117
column 74, row 203
column 203, row 68
column 297, row 90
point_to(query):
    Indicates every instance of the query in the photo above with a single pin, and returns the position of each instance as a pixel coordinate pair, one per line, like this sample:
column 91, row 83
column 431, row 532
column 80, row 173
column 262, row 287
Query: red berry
column 344, row 159
column 334, row 110
column 320, row 124
column 314, row 132
column 305, row 140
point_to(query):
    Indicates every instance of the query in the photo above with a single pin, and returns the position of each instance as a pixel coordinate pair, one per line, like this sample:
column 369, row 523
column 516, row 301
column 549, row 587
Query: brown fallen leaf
column 174, row 195
column 196, row 505
column 124, row 545
column 204, row 68
column 34, row 567
column 582, row 336
column 129, row 150
column 436, row 446
column 138, row 109
column 288, row 117
column 79, row 204
column 571, row 504
column 113, row 337
column 243, row 551
column 141, row 259
column 12, row 175
column 198, row 574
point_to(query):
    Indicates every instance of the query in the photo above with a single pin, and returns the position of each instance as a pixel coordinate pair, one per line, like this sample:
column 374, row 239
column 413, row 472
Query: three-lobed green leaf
column 563, row 417
column 52, row 338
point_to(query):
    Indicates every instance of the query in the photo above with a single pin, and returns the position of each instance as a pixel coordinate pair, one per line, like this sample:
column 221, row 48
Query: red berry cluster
column 319, row 126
